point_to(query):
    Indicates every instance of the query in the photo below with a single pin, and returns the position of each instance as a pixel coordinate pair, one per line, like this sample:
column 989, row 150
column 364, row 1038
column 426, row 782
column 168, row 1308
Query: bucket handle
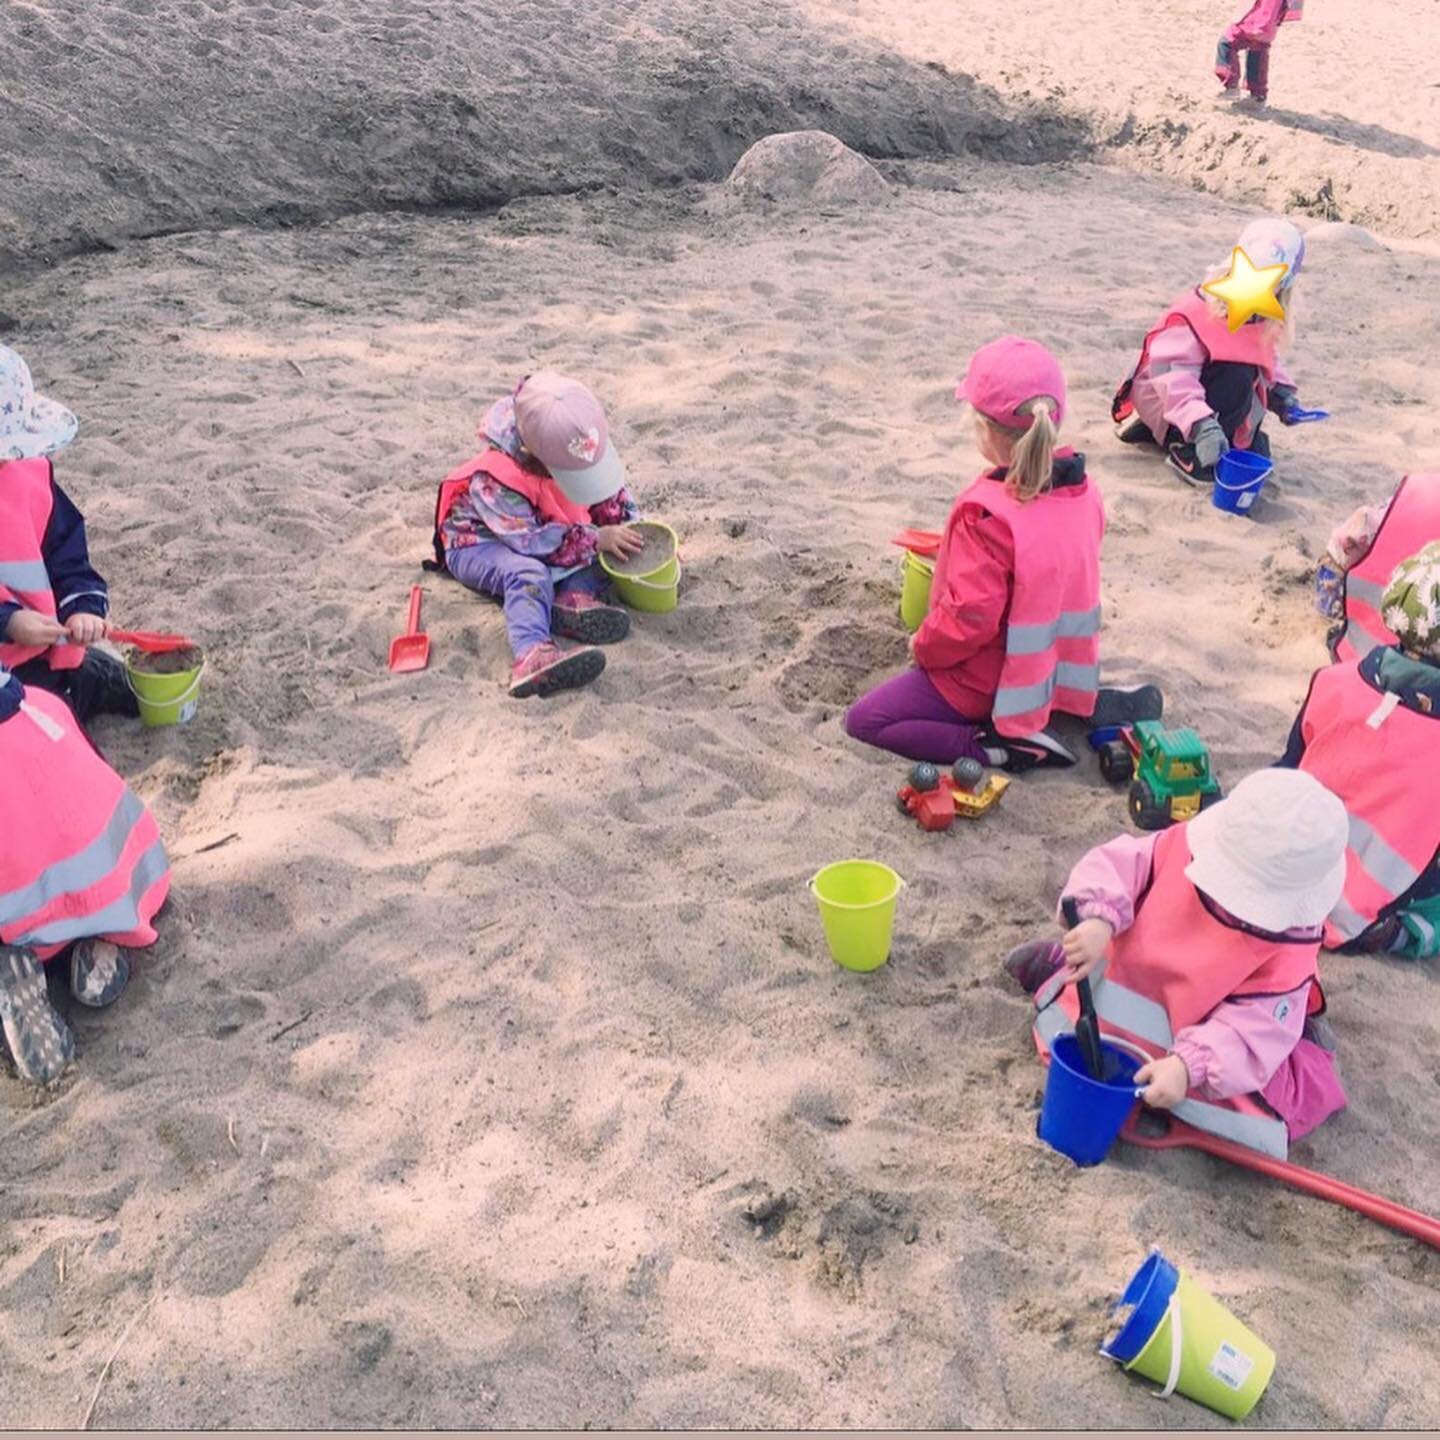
column 179, row 699
column 1176, row 1343
column 651, row 584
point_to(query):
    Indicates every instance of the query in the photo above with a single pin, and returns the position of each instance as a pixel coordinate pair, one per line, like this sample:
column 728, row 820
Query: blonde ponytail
column 1033, row 454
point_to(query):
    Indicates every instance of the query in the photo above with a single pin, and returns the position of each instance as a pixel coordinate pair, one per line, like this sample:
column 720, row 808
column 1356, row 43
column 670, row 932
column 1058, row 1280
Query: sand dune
column 494, row 1072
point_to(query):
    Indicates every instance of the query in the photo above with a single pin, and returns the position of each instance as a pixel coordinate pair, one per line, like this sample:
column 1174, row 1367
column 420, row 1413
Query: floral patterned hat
column 1411, row 603
column 30, row 425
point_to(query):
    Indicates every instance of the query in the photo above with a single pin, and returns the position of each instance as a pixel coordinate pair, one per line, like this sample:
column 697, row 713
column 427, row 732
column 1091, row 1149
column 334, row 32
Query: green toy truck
column 1169, row 771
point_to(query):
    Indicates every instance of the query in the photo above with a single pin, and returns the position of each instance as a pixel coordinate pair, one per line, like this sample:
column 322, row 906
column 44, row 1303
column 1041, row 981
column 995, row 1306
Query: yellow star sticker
column 1248, row 291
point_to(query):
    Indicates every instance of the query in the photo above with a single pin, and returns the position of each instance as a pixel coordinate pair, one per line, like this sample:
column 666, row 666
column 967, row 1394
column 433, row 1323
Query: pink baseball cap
column 563, row 426
column 1008, row 372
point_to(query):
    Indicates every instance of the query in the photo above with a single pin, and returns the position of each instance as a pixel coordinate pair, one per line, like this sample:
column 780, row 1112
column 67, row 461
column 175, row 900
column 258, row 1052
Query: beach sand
column 490, row 1069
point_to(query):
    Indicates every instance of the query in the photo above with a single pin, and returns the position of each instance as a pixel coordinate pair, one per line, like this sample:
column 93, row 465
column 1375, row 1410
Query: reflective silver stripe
column 1036, row 639
column 1386, row 867
column 1129, row 1010
column 118, row 918
column 1367, row 590
column 1426, row 929
column 24, row 575
column 1359, row 639
column 1347, row 920
column 79, row 871
column 1022, row 699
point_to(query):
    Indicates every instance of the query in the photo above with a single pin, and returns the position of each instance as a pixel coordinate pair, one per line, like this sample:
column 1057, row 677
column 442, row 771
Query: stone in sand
column 806, row 165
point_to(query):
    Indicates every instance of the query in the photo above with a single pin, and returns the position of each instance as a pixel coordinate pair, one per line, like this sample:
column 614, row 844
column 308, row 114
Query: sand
column 490, row 1069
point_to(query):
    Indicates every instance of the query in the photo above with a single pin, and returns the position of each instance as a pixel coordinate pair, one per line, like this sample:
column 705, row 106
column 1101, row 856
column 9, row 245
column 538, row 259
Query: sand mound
column 807, row 166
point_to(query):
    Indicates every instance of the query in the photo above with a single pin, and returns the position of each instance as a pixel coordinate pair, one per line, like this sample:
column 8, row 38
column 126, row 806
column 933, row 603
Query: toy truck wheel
column 967, row 774
column 1117, row 764
column 924, row 775
column 1213, row 798
column 1145, row 810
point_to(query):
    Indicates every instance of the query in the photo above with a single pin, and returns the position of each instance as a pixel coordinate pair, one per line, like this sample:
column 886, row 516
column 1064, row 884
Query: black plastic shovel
column 1087, row 1027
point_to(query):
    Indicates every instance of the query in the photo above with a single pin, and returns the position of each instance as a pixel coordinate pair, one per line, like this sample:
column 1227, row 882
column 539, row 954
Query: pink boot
column 545, row 668
column 580, row 616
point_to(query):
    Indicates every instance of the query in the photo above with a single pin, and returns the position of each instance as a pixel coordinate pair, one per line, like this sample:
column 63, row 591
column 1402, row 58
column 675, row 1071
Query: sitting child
column 82, row 873
column 1013, row 630
column 525, row 519
column 1200, row 388
column 1365, row 733
column 1254, row 33
column 52, row 603
column 1200, row 944
column 1361, row 557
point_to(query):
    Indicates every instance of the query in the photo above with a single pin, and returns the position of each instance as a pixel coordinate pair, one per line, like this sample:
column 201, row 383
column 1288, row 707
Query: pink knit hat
column 1006, row 374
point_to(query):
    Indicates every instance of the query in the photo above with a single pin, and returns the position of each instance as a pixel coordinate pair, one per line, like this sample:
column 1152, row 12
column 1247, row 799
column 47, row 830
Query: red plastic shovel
column 1387, row 1212
column 149, row 641
column 921, row 542
column 411, row 651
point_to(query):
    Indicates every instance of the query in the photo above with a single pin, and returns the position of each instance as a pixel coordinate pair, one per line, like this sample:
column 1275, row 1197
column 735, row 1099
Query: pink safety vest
column 540, row 490
column 1377, row 757
column 1052, row 628
column 26, row 500
column 1410, row 524
column 80, row 856
column 1249, row 345
column 1169, row 970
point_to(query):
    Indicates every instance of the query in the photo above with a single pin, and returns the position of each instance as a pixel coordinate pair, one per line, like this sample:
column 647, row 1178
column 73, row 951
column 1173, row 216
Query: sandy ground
column 490, row 1069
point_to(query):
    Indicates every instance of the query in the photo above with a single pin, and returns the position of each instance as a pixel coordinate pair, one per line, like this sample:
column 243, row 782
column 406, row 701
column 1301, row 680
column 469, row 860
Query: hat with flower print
column 30, row 424
column 563, row 425
column 1410, row 605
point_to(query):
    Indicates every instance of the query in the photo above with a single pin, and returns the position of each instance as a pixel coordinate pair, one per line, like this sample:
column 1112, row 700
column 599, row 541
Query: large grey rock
column 807, row 166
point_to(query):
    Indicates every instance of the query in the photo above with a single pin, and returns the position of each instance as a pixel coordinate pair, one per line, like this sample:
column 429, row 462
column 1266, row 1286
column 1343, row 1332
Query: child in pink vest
column 1014, row 621
column 1254, row 32
column 1200, row 388
column 1201, row 945
column 525, row 520
column 83, row 873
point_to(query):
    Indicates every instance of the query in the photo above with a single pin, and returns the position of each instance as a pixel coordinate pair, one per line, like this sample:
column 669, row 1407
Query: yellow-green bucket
column 857, row 908
column 916, row 574
column 1197, row 1347
column 166, row 699
column 656, row 591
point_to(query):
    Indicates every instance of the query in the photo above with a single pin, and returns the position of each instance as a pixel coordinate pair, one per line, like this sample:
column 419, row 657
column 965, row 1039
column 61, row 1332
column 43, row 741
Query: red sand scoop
column 919, row 542
column 411, row 651
column 1385, row 1212
column 149, row 641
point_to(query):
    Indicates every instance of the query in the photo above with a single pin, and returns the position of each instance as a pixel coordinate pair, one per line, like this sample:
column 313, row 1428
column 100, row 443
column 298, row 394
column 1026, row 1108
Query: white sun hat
column 1272, row 852
column 30, row 425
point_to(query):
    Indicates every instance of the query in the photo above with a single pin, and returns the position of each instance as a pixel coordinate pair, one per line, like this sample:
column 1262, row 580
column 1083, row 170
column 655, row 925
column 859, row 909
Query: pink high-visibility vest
column 1377, row 756
column 26, row 500
column 1052, row 628
column 1410, row 524
column 1249, row 345
column 80, row 855
column 1169, row 970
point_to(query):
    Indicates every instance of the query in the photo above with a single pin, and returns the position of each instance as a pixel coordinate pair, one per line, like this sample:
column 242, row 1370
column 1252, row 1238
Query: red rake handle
column 149, row 641
column 412, row 625
column 1337, row 1192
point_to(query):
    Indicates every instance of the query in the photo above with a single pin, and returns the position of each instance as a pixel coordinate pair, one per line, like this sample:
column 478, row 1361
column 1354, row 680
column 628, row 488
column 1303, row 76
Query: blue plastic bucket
column 1239, row 476
column 1081, row 1117
column 1149, row 1292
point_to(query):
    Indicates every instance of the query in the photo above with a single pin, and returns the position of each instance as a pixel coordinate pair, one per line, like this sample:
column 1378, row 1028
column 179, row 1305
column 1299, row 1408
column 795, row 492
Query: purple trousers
column 522, row 584
column 908, row 716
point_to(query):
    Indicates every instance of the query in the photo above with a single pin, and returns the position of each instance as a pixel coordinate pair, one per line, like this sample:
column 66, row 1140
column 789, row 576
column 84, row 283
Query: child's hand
column 1084, row 948
column 620, row 541
column 1166, row 1081
column 86, row 629
column 29, row 627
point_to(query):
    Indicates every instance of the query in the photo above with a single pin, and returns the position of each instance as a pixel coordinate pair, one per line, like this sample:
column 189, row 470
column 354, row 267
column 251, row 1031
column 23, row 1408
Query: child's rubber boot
column 1130, row 429
column 40, row 1041
column 1017, row 754
column 581, row 616
column 543, row 669
column 1180, row 457
column 1126, row 705
column 1030, row 965
column 99, row 972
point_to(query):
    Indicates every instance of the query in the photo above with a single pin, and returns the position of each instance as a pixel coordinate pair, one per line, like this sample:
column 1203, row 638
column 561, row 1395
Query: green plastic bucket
column 656, row 590
column 857, row 908
column 166, row 699
column 1200, row 1349
column 916, row 574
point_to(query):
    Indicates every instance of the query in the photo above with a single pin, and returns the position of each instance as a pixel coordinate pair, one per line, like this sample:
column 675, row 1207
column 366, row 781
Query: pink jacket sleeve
column 1108, row 880
column 1242, row 1043
column 1173, row 373
column 969, row 608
